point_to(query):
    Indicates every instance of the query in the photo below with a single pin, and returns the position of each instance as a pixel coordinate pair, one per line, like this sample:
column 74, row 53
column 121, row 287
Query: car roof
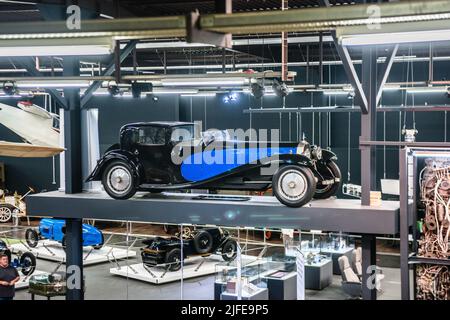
column 158, row 124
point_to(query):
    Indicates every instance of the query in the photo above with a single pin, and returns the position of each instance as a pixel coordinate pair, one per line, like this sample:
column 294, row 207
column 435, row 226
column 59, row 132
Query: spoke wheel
column 5, row 214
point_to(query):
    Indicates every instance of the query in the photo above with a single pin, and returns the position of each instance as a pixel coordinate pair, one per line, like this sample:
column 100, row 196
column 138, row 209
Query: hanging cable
column 349, row 147
column 313, row 122
column 384, row 146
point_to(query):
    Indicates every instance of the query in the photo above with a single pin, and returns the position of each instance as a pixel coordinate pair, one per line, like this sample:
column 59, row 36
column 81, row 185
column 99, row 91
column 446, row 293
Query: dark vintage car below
column 162, row 156
column 203, row 242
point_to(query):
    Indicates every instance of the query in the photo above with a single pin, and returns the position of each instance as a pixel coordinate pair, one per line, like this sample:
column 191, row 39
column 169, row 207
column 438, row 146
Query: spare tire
column 203, row 242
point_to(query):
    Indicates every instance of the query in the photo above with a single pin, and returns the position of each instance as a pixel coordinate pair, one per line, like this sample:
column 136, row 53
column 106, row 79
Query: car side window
column 152, row 136
column 130, row 138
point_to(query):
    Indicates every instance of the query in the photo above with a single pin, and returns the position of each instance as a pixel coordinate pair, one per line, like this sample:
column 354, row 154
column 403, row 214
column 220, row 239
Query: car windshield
column 184, row 133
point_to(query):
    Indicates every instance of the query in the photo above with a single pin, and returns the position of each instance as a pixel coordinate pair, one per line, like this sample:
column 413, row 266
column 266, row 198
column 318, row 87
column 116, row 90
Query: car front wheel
column 229, row 250
column 27, row 263
column 173, row 259
column 118, row 180
column 5, row 214
column 294, row 186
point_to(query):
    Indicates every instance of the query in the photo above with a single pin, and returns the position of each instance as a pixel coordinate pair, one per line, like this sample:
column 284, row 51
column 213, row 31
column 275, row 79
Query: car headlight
column 317, row 153
column 304, row 150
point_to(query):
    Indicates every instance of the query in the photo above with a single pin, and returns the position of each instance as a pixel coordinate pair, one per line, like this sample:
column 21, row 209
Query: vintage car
column 160, row 156
column 201, row 242
column 48, row 285
column 12, row 206
column 25, row 261
column 55, row 229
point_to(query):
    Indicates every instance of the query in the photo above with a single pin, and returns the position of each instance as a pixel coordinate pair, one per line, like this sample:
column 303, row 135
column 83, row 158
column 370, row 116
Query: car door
column 151, row 151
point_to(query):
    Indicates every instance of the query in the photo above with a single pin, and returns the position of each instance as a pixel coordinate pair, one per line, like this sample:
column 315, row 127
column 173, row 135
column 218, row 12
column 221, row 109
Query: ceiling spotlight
column 155, row 98
column 280, row 88
column 137, row 88
column 113, row 89
column 9, row 88
column 258, row 90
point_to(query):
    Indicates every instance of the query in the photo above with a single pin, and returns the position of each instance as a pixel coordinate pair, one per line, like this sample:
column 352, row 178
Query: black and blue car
column 161, row 156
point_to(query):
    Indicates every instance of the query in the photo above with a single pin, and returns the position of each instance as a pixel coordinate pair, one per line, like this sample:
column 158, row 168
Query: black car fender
column 328, row 155
column 135, row 165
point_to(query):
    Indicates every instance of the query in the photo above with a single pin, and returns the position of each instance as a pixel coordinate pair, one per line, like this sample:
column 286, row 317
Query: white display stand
column 24, row 281
column 53, row 251
column 192, row 269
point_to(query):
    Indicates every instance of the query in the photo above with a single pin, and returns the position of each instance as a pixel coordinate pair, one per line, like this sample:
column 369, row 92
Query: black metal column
column 72, row 130
column 74, row 259
column 369, row 256
column 368, row 166
column 73, row 184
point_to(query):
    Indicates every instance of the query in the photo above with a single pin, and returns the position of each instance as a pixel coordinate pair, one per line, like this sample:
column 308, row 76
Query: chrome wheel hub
column 292, row 185
column 119, row 179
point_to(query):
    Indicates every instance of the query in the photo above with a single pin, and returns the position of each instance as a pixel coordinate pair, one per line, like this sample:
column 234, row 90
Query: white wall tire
column 294, row 186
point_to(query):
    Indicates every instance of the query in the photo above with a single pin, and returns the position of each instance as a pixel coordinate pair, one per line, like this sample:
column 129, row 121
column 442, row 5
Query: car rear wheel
column 329, row 170
column 118, row 180
column 229, row 250
column 203, row 242
column 27, row 263
column 5, row 214
column 173, row 259
column 294, row 186
column 32, row 238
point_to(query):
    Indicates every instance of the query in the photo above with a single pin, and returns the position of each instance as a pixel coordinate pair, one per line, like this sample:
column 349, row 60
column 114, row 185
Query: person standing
column 8, row 278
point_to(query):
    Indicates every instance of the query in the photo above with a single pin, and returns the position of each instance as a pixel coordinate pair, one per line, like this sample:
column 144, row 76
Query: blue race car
column 55, row 229
column 161, row 156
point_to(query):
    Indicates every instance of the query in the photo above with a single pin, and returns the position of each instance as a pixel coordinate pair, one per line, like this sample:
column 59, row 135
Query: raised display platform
column 176, row 208
column 53, row 251
column 193, row 267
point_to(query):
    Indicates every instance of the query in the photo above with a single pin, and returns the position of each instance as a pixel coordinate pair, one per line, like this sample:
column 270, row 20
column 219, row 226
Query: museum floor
column 102, row 285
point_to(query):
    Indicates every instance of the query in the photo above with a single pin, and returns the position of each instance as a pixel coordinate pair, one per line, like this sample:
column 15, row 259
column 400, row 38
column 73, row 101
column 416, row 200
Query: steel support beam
column 369, row 124
column 386, row 69
column 393, row 14
column 360, row 95
column 404, row 225
column 74, row 259
column 109, row 71
column 196, row 35
column 326, row 18
column 119, row 29
column 29, row 65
